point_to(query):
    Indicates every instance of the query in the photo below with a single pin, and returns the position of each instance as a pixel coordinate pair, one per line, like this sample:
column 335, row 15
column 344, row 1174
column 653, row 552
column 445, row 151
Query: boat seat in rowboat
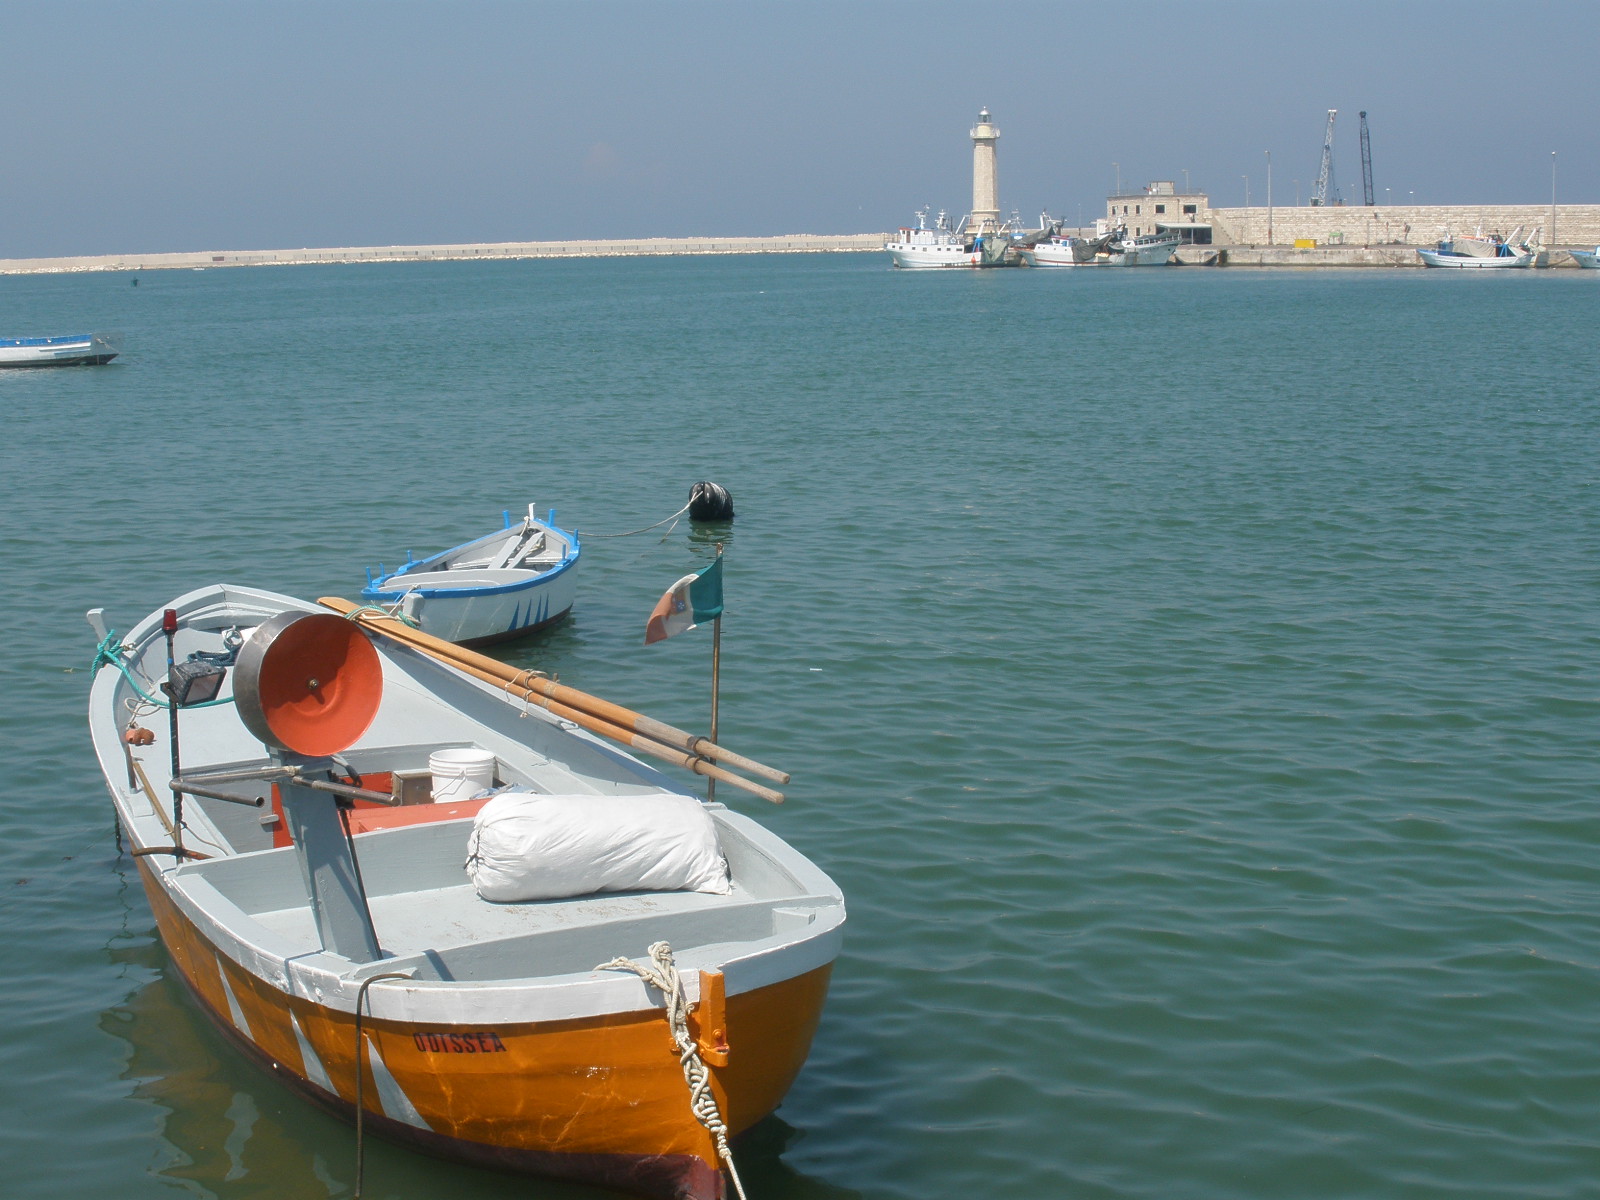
column 521, row 548
column 429, row 918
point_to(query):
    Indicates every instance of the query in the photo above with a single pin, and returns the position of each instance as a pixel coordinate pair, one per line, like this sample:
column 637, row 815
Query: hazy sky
column 155, row 126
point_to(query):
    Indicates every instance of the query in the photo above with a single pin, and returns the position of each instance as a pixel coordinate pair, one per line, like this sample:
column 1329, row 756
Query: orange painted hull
column 600, row 1100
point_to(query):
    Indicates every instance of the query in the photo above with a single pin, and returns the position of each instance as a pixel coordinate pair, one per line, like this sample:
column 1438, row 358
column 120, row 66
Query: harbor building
column 1160, row 208
column 985, row 216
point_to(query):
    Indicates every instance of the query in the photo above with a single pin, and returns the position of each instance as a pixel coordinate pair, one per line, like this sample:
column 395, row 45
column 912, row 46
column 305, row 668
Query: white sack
column 526, row 846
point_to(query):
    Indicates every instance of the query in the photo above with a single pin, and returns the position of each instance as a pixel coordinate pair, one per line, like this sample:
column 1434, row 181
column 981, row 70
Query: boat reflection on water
column 228, row 1133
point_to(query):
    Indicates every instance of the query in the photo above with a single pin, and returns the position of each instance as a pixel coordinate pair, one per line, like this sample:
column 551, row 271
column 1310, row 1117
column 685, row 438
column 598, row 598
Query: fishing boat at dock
column 1115, row 248
column 1064, row 250
column 941, row 245
column 65, row 350
column 1143, row 250
column 506, row 584
column 312, row 895
column 1588, row 259
column 1481, row 253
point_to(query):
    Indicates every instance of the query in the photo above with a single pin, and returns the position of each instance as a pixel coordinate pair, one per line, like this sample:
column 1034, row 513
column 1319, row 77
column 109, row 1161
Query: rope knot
column 664, row 977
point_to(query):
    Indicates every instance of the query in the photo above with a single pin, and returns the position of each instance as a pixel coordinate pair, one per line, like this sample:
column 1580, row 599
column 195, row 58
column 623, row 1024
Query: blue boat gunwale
column 65, row 339
column 383, row 587
column 377, row 591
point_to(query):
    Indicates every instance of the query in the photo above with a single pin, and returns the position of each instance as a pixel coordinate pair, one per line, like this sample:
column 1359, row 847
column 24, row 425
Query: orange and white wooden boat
column 313, row 898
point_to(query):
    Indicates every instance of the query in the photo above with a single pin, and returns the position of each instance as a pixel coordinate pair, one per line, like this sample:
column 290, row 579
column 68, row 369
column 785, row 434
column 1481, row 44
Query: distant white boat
column 67, row 350
column 1147, row 250
column 1481, row 253
column 1586, row 258
column 942, row 246
column 1114, row 249
column 504, row 585
column 939, row 246
column 1064, row 250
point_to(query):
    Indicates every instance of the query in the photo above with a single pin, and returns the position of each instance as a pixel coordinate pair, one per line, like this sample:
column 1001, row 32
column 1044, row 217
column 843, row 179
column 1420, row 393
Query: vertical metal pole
column 1552, row 198
column 169, row 626
column 1269, row 197
column 716, row 681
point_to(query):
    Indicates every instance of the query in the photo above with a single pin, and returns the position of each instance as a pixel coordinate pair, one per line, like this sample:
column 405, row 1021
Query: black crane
column 1366, row 164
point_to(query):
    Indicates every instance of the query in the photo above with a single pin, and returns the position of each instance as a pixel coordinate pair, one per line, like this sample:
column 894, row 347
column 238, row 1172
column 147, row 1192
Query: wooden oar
column 627, row 718
column 596, row 715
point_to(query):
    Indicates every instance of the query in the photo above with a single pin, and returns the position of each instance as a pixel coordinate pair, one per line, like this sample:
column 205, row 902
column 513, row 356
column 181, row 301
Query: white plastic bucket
column 460, row 774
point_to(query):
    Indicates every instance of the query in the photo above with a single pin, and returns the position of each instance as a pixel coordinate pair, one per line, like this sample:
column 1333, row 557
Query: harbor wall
column 799, row 243
column 1401, row 224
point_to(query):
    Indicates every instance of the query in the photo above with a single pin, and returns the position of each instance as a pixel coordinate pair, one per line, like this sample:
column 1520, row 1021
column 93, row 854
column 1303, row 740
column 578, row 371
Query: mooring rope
column 361, row 998
column 646, row 529
column 665, row 979
column 109, row 653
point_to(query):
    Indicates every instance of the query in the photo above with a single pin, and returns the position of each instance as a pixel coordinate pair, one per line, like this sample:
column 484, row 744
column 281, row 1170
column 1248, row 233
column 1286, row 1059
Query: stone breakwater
column 799, row 243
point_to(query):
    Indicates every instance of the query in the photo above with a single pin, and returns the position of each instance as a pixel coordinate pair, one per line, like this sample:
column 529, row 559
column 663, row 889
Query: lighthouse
column 985, row 182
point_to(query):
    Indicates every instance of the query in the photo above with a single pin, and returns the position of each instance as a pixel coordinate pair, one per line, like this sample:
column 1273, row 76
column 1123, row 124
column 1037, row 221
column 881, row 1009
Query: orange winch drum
column 308, row 683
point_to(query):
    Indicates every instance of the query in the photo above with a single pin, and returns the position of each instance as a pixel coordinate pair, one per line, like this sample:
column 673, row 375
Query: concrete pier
column 797, row 243
column 1326, row 256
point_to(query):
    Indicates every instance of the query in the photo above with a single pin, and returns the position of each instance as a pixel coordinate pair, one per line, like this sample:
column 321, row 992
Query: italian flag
column 693, row 600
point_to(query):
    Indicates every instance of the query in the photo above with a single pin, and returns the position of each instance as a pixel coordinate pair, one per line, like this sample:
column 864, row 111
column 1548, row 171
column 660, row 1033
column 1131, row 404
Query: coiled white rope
column 665, row 979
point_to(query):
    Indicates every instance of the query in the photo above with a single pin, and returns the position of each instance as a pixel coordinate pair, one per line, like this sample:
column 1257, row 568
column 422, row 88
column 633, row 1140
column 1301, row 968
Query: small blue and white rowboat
column 503, row 585
column 68, row 350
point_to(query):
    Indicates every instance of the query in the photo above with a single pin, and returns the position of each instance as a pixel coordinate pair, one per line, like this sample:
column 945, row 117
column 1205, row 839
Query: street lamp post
column 1246, row 179
column 1269, row 197
column 1552, row 198
column 1118, row 167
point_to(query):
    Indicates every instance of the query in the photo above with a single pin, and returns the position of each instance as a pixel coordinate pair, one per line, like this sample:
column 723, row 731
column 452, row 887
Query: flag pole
column 716, row 682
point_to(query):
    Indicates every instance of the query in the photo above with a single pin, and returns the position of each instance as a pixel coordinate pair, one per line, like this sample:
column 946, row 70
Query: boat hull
column 71, row 350
column 1475, row 262
column 1588, row 259
column 1152, row 254
column 1129, row 254
column 1052, row 255
column 510, row 1099
column 493, row 612
column 921, row 258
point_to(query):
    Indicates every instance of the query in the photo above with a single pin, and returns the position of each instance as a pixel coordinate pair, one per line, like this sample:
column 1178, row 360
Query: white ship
column 940, row 246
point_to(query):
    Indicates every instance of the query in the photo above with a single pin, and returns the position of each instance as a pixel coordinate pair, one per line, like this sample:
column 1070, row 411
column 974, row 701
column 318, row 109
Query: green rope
column 109, row 653
column 355, row 614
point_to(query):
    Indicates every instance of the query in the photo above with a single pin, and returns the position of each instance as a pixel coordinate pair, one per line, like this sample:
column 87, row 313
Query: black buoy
column 710, row 502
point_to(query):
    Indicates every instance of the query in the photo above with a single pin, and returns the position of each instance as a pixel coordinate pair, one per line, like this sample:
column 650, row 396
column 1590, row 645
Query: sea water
column 1192, row 677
